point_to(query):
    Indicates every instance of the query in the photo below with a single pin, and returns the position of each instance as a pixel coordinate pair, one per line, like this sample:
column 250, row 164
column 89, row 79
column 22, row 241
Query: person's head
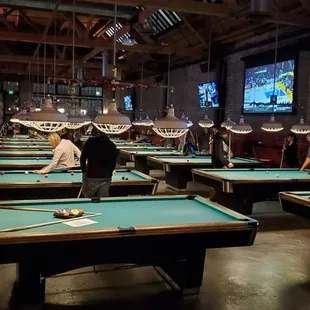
column 291, row 138
column 223, row 133
column 35, row 133
column 214, row 129
column 96, row 132
column 54, row 139
column 308, row 137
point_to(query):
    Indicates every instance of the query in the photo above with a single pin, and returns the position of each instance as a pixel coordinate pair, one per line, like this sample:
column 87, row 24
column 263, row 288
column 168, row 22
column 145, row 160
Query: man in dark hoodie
column 98, row 161
column 218, row 152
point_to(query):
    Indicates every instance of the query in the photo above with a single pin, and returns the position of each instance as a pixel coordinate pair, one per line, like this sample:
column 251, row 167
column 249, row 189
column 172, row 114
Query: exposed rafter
column 99, row 43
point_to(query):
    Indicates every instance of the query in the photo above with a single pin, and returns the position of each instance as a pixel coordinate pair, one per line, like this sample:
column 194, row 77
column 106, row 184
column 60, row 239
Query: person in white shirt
column 64, row 151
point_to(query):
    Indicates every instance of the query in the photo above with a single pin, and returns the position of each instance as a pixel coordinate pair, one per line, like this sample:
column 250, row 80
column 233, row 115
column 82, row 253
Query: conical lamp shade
column 170, row 126
column 77, row 121
column 228, row 123
column 206, row 122
column 301, row 128
column 113, row 122
column 48, row 119
column 272, row 125
column 241, row 127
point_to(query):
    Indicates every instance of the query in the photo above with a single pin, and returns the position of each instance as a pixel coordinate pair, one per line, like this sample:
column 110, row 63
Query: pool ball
column 72, row 173
column 26, row 172
column 267, row 171
column 38, row 181
column 277, row 175
column 38, row 158
column 114, row 172
column 188, row 161
column 123, row 178
column 2, row 173
column 46, row 175
column 126, row 179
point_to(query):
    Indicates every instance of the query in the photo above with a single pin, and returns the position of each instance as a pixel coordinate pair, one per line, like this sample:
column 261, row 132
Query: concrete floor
column 274, row 274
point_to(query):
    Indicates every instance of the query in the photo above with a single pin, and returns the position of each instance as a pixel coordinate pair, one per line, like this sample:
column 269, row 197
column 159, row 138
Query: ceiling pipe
column 95, row 9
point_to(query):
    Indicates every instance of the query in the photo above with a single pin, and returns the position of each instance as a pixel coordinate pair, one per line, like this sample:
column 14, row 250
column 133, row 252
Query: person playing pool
column 189, row 147
column 98, row 161
column 307, row 160
column 219, row 150
column 63, row 154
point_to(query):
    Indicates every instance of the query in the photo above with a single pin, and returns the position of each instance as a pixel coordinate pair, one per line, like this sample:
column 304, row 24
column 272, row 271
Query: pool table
column 239, row 189
column 296, row 202
column 24, row 144
column 178, row 169
column 61, row 184
column 23, row 163
column 26, row 153
column 139, row 157
column 170, row 233
column 13, row 147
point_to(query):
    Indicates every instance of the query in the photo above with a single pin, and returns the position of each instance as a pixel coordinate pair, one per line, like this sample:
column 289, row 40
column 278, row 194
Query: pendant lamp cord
column 141, row 87
column 275, row 59
column 44, row 66
column 168, row 80
column 73, row 41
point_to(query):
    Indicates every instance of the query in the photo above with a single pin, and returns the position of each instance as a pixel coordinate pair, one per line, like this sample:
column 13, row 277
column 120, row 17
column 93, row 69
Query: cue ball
column 72, row 173
column 38, row 158
column 46, row 175
column 267, row 171
column 277, row 175
column 26, row 172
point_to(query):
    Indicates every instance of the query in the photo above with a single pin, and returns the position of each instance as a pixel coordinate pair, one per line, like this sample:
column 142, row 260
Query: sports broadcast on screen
column 208, row 95
column 265, row 92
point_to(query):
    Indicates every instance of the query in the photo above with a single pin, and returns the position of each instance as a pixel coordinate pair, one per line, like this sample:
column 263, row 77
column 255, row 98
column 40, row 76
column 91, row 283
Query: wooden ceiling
column 27, row 25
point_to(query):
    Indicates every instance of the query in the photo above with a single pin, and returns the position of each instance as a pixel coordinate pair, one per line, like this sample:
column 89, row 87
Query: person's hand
column 230, row 165
column 37, row 172
column 302, row 169
column 230, row 154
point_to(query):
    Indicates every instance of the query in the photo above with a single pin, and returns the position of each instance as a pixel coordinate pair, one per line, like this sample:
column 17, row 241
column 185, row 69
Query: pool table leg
column 187, row 273
column 30, row 285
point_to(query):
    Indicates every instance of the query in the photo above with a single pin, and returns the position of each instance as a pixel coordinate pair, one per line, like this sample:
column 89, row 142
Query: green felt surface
column 160, row 151
column 138, row 146
column 25, row 151
column 124, row 212
column 24, row 161
column 305, row 195
column 22, row 147
column 24, row 142
column 245, row 174
column 198, row 159
column 54, row 177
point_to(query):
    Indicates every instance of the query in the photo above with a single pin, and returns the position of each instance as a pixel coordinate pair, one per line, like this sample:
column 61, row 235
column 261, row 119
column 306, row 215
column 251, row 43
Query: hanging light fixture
column 147, row 122
column 48, row 119
column 228, row 123
column 113, row 122
column 188, row 122
column 241, row 127
column 170, row 126
column 301, row 128
column 77, row 121
column 207, row 122
column 272, row 125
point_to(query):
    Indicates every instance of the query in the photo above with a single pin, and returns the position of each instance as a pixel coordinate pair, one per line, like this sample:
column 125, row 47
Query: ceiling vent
column 260, row 10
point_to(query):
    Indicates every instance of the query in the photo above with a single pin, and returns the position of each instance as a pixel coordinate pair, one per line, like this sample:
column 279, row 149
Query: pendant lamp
column 301, row 128
column 241, row 127
column 228, row 123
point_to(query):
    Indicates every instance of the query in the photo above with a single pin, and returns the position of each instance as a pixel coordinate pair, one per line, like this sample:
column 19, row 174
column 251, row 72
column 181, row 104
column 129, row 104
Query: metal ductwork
column 95, row 9
column 260, row 10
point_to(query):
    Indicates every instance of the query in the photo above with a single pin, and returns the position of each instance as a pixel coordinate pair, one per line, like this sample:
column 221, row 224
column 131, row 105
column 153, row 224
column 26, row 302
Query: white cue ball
column 26, row 172
column 277, row 175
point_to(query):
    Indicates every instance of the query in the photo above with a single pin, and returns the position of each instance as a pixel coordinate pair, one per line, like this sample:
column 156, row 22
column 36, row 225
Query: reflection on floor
column 274, row 274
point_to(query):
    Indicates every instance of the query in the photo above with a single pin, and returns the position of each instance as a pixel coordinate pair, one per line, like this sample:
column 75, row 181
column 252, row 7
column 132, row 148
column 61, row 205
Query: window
column 38, row 88
column 92, row 106
column 91, row 91
column 10, row 87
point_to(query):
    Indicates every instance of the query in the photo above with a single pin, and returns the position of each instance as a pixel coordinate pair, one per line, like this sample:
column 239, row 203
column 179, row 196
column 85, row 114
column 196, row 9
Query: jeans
column 96, row 187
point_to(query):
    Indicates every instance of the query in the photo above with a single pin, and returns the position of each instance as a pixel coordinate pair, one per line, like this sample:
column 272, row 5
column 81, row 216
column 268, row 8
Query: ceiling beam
column 92, row 54
column 6, row 23
column 50, row 61
column 99, row 43
column 27, row 20
column 79, row 27
column 185, row 6
column 8, row 12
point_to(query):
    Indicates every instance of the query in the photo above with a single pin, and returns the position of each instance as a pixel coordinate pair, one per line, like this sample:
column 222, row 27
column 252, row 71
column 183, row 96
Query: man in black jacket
column 218, row 154
column 98, row 161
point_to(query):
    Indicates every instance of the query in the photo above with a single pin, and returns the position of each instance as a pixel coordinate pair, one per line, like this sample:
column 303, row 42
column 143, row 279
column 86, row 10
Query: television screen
column 262, row 95
column 128, row 103
column 208, row 95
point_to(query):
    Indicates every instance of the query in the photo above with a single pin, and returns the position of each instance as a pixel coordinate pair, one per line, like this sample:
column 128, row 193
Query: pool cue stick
column 282, row 156
column 47, row 223
column 197, row 142
column 229, row 145
column 80, row 192
column 34, row 209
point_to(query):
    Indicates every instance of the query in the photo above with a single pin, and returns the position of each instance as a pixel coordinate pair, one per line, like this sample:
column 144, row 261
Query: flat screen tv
column 128, row 103
column 208, row 95
column 267, row 91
